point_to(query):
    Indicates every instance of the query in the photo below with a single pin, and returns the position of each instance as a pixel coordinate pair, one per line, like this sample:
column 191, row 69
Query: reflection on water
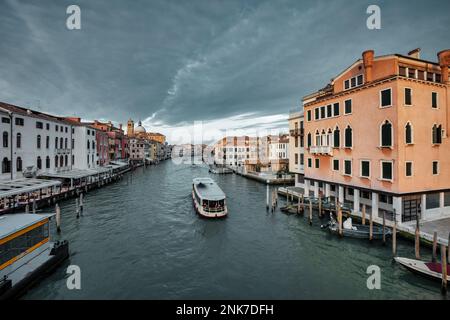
column 141, row 239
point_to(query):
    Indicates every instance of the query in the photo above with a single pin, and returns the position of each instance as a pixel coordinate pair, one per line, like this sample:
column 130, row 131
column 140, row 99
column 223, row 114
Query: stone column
column 327, row 190
column 316, row 189
column 374, row 205
column 356, row 200
column 397, row 206
column 423, row 207
column 306, row 188
column 341, row 194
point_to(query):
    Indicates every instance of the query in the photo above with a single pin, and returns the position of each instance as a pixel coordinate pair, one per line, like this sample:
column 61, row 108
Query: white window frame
column 356, row 82
column 437, row 100
column 412, row 133
column 381, row 170
column 438, row 167
column 385, row 89
column 412, row 169
column 339, row 165
column 360, row 169
column 339, row 109
column 404, row 97
column 351, row 168
column 351, row 102
column 381, row 135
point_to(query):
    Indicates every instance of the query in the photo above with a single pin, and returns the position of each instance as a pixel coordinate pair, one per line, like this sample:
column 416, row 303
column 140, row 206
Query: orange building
column 378, row 134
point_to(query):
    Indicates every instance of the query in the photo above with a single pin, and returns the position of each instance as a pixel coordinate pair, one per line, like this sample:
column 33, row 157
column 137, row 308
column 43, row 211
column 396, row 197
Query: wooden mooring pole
column 384, row 227
column 320, row 205
column 310, row 211
column 444, row 269
column 394, row 238
column 58, row 218
column 267, row 196
column 302, row 207
column 364, row 214
column 339, row 216
column 417, row 240
column 81, row 202
column 77, row 208
column 370, row 226
column 434, row 254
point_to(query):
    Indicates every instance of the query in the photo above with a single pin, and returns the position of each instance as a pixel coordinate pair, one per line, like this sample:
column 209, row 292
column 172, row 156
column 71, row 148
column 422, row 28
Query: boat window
column 20, row 244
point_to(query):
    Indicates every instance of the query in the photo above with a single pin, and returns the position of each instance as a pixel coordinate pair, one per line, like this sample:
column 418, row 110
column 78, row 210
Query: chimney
column 414, row 53
column 444, row 63
column 368, row 64
column 120, row 126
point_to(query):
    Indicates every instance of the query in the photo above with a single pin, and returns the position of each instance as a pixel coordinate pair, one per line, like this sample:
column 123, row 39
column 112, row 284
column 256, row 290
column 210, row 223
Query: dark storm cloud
column 180, row 61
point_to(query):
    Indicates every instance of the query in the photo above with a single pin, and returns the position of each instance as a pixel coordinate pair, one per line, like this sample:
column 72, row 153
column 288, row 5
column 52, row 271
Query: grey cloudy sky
column 173, row 62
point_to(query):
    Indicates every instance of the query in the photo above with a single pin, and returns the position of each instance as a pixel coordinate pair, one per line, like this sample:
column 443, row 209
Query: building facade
column 296, row 147
column 33, row 139
column 378, row 135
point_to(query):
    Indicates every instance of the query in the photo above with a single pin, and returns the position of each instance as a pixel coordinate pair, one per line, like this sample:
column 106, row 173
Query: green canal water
column 141, row 239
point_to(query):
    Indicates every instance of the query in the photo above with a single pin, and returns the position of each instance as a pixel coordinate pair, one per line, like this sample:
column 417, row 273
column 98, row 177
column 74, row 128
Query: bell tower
column 130, row 128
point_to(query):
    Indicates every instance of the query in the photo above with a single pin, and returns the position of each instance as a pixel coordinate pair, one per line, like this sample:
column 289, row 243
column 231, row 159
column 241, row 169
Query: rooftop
column 208, row 189
column 12, row 223
column 19, row 186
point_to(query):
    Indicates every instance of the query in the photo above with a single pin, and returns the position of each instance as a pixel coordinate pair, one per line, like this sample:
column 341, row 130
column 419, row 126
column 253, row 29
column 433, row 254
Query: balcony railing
column 296, row 132
column 324, row 150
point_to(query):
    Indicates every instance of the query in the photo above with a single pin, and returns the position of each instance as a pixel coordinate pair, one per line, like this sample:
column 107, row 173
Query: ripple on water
column 140, row 238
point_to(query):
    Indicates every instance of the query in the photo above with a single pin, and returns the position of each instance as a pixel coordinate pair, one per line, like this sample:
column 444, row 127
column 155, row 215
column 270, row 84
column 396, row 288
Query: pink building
column 378, row 134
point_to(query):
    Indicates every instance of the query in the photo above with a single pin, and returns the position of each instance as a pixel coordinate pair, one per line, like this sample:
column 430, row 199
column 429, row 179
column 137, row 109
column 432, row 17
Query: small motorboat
column 428, row 269
column 358, row 230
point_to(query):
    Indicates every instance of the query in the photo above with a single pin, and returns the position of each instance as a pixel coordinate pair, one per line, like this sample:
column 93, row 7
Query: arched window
column 437, row 134
column 6, row 165
column 5, row 139
column 88, row 145
column 61, row 143
column 93, row 145
column 386, row 134
column 309, row 140
column 19, row 140
column 323, row 140
column 66, row 160
column 56, row 160
column 19, row 164
column 65, row 143
column 408, row 133
column 61, row 161
column 47, row 142
column 348, row 137
column 337, row 138
column 56, row 143
column 39, row 163
column 317, row 138
column 38, row 142
column 47, row 162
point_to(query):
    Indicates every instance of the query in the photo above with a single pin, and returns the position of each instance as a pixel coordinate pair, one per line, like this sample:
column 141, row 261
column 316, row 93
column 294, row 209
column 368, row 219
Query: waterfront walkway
column 427, row 228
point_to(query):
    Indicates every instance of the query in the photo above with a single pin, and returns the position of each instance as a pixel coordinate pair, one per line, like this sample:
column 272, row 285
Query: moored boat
column 26, row 253
column 428, row 269
column 359, row 231
column 209, row 200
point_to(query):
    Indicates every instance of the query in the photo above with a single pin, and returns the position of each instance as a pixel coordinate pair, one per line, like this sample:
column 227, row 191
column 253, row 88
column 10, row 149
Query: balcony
column 296, row 132
column 62, row 151
column 321, row 150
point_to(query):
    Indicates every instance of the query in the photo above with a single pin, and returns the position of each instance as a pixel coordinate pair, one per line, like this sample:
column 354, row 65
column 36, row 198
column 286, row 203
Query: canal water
column 141, row 239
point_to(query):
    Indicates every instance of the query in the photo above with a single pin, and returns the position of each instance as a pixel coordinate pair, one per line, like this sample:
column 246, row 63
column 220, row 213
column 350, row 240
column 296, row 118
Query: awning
column 10, row 188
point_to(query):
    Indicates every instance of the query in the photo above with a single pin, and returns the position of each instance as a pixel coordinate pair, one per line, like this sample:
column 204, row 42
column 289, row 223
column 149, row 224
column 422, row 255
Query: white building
column 32, row 139
column 85, row 151
column 296, row 147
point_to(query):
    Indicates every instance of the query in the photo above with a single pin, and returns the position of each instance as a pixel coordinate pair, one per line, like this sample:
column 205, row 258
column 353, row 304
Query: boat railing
column 220, row 209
